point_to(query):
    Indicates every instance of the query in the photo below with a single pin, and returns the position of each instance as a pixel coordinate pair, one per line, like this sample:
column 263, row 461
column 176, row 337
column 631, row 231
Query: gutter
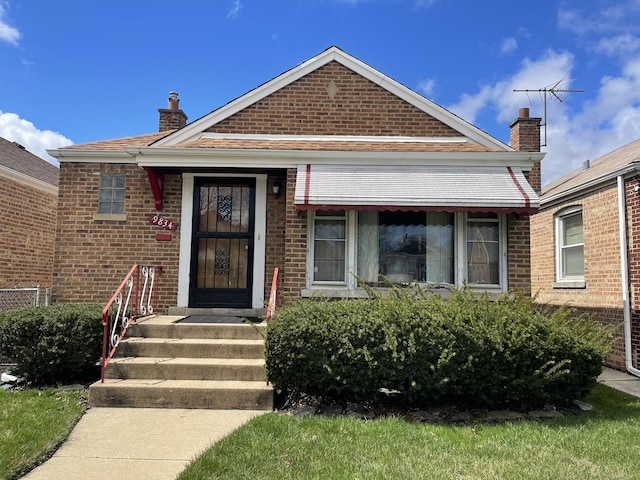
column 624, row 277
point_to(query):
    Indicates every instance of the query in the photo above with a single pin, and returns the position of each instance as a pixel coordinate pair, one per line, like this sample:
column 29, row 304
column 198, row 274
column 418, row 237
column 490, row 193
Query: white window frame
column 460, row 254
column 560, row 217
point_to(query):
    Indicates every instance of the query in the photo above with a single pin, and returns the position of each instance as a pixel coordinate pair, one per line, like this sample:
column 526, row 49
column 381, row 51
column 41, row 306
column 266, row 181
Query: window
column 329, row 246
column 483, row 249
column 569, row 246
column 407, row 247
column 111, row 193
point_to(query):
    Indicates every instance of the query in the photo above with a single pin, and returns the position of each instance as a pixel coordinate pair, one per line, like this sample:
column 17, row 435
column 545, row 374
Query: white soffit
column 410, row 187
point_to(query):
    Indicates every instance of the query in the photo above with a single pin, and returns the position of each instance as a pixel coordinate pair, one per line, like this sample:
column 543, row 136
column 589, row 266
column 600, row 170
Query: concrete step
column 168, row 329
column 154, row 393
column 190, row 348
column 187, row 368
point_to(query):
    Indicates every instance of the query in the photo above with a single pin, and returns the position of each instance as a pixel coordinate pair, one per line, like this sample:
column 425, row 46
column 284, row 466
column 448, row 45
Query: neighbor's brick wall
column 633, row 247
column 603, row 292
column 27, row 227
column 93, row 256
column 359, row 107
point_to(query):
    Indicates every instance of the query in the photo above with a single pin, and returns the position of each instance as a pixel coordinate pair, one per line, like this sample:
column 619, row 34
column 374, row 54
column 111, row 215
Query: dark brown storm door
column 222, row 251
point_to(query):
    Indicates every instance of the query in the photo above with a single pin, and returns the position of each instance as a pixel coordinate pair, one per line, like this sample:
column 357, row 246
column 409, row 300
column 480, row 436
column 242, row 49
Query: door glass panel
column 224, row 208
column 222, row 263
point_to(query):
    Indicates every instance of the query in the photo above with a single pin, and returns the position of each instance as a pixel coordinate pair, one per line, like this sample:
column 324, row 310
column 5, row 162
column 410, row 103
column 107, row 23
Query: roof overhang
column 584, row 188
column 412, row 187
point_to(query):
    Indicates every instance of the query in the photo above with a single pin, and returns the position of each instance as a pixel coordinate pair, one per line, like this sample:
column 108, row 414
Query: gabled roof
column 594, row 173
column 120, row 143
column 15, row 157
column 194, row 129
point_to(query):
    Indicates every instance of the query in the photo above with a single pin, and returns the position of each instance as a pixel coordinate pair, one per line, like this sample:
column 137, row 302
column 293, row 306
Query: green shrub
column 474, row 351
column 55, row 344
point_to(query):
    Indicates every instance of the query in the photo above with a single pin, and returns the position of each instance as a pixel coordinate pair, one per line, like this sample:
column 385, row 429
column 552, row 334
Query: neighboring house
column 28, row 210
column 585, row 246
column 328, row 171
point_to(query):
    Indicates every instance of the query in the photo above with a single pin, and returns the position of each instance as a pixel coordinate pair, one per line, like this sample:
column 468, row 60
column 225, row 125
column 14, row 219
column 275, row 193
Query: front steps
column 164, row 364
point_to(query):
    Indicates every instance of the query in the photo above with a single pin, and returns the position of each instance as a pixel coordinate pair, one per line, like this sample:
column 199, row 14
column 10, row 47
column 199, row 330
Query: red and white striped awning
column 414, row 187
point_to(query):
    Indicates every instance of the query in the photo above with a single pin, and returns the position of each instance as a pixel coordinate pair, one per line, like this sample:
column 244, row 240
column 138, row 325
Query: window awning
column 414, row 187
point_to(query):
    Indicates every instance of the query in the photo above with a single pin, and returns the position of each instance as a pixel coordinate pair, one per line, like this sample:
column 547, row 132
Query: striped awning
column 414, row 187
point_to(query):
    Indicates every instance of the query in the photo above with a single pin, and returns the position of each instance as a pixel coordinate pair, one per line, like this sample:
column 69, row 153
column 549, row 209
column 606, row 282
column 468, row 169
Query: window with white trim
column 407, row 247
column 112, row 188
column 569, row 246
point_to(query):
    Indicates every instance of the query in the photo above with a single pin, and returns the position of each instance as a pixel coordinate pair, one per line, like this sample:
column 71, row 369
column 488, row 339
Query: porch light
column 275, row 190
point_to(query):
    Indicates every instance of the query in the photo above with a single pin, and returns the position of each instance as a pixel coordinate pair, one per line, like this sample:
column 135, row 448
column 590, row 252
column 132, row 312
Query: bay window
column 406, row 247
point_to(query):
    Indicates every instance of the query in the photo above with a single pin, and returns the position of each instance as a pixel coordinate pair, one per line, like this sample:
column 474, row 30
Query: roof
column 120, row 143
column 334, row 54
column 597, row 171
column 15, row 157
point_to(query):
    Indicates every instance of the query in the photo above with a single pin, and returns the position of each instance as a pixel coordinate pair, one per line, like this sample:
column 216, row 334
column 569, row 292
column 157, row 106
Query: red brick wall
column 295, row 248
column 602, row 294
column 276, row 228
column 28, row 226
column 518, row 253
column 359, row 107
column 93, row 256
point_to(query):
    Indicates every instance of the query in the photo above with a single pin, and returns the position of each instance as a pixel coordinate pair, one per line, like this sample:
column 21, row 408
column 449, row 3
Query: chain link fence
column 21, row 297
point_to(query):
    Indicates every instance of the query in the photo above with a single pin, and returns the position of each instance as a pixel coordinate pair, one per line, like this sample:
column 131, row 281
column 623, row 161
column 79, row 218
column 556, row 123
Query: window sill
column 580, row 284
column 110, row 217
column 333, row 292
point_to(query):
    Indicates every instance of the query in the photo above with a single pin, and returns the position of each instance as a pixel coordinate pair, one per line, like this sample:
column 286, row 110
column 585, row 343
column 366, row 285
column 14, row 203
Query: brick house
column 28, row 211
column 585, row 250
column 329, row 169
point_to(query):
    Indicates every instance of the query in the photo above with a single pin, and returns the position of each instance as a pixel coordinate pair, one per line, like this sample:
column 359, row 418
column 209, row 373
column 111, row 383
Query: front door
column 222, row 249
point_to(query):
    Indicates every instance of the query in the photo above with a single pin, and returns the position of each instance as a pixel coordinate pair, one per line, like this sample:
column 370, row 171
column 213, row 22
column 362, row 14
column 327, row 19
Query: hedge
column 55, row 344
column 464, row 349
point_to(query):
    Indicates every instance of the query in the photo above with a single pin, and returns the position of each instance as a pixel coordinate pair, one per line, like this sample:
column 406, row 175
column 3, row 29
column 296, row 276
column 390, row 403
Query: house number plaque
column 162, row 222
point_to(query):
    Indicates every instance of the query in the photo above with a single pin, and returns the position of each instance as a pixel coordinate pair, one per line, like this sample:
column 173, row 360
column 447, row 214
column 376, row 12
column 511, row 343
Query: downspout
column 624, row 270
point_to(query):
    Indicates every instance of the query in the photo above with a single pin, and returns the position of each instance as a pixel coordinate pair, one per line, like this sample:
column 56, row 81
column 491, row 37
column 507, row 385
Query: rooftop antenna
column 554, row 90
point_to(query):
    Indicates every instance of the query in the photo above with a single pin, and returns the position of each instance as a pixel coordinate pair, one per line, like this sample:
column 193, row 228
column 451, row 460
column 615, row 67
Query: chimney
column 525, row 137
column 173, row 117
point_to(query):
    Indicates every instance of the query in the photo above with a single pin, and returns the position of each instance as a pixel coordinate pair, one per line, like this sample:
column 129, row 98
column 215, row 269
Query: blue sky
column 74, row 72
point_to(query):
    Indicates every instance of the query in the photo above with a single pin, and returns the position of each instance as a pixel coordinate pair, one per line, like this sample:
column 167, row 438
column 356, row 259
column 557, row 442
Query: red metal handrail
column 134, row 298
column 273, row 296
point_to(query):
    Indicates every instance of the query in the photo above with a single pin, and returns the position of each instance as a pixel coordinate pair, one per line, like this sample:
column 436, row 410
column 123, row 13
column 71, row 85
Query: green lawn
column 33, row 423
column 600, row 444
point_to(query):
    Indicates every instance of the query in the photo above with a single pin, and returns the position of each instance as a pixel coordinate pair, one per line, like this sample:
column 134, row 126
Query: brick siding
column 28, row 231
column 602, row 295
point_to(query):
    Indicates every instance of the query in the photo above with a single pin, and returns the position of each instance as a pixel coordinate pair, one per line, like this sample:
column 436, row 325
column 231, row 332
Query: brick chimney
column 525, row 137
column 173, row 117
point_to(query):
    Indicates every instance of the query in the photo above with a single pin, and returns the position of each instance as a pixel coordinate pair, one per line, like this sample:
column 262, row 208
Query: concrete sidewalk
column 624, row 382
column 157, row 444
column 138, row 443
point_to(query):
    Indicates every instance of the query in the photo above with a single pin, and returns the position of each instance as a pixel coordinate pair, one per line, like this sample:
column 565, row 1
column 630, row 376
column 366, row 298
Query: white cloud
column 427, row 86
column 235, row 9
column 509, row 45
column 619, row 45
column 36, row 141
column 8, row 33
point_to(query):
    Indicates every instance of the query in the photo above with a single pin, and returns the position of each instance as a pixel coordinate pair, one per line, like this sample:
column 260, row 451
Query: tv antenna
column 553, row 91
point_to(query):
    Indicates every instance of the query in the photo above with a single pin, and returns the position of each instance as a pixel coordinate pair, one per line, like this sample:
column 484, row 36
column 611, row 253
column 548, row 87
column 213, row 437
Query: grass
column 602, row 443
column 33, row 423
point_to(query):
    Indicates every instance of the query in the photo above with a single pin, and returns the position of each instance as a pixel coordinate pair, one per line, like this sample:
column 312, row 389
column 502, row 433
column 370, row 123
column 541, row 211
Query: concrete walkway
column 157, row 444
column 138, row 443
column 624, row 382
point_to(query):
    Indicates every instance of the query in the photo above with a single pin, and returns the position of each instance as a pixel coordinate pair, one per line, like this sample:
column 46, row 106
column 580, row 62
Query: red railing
column 134, row 298
column 273, row 296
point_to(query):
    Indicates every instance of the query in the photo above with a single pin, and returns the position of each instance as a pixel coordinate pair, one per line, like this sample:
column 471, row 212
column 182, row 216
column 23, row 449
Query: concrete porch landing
column 165, row 364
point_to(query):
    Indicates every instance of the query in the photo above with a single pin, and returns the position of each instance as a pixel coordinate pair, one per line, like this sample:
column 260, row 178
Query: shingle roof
column 15, row 157
column 119, row 143
column 335, row 145
column 599, row 168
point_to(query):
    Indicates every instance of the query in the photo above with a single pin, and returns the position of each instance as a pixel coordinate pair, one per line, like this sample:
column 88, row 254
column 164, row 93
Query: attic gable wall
column 359, row 108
